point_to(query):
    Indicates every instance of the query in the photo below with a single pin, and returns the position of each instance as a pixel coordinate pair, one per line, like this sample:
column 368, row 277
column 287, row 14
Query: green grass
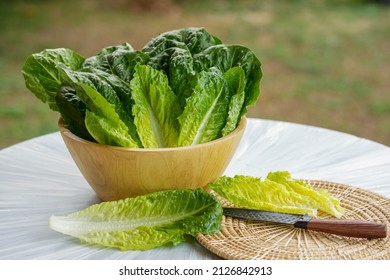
column 325, row 62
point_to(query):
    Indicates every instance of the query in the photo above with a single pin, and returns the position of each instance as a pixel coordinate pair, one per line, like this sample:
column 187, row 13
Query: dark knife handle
column 349, row 228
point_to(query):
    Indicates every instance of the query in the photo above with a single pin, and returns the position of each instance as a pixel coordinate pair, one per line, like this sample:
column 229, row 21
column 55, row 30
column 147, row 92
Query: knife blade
column 343, row 227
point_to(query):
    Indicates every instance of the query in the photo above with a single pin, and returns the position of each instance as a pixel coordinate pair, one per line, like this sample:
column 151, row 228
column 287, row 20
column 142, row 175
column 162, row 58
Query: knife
column 351, row 228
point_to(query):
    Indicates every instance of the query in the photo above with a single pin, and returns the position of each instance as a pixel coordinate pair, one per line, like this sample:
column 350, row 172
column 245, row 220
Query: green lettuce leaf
column 206, row 87
column 206, row 110
column 156, row 108
column 177, row 64
column 42, row 76
column 235, row 78
column 72, row 110
column 108, row 131
column 123, row 62
column 144, row 222
column 278, row 192
column 110, row 87
column 225, row 57
column 100, row 60
column 194, row 39
column 326, row 202
column 103, row 122
column 172, row 52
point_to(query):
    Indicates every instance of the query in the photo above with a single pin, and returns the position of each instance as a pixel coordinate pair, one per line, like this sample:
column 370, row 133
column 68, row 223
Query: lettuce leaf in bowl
column 235, row 78
column 225, row 57
column 156, row 108
column 198, row 90
column 101, row 60
column 103, row 122
column 206, row 111
column 144, row 222
column 106, row 96
column 73, row 111
column 177, row 64
column 122, row 63
column 41, row 75
column 194, row 39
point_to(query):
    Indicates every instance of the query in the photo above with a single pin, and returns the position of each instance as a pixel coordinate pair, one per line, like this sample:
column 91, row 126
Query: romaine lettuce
column 73, row 111
column 278, row 192
column 122, row 63
column 144, row 222
column 228, row 56
column 101, row 62
column 42, row 76
column 206, row 111
column 235, row 78
column 326, row 202
column 177, row 64
column 103, row 122
column 195, row 40
column 111, row 88
column 156, row 108
column 212, row 83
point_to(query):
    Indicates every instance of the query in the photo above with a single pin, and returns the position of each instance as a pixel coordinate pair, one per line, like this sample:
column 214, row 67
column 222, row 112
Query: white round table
column 38, row 178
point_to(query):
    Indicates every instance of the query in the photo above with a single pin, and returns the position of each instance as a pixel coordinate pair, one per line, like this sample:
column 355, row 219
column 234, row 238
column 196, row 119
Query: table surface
column 38, row 178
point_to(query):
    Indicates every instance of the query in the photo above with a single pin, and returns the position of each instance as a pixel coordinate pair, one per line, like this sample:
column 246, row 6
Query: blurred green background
column 325, row 62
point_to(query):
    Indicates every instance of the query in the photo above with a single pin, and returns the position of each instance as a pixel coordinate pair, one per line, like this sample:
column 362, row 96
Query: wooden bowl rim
column 241, row 126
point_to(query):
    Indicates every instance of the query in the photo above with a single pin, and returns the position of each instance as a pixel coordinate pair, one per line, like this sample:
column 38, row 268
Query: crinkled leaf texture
column 325, row 201
column 198, row 91
column 156, row 108
column 278, row 192
column 225, row 57
column 192, row 38
column 235, row 78
column 42, row 76
column 144, row 222
column 106, row 96
column 102, row 121
column 72, row 110
column 172, row 52
column 206, row 111
column 101, row 60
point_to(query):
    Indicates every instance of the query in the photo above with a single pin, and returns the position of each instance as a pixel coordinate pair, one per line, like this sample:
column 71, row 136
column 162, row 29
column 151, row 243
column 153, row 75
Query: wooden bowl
column 116, row 172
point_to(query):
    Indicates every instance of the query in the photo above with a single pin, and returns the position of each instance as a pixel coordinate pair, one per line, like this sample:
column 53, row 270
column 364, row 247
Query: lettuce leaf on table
column 144, row 222
column 277, row 192
column 325, row 201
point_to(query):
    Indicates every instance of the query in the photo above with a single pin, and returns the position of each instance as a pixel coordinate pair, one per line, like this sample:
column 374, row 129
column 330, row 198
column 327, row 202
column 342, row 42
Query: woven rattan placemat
column 241, row 239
